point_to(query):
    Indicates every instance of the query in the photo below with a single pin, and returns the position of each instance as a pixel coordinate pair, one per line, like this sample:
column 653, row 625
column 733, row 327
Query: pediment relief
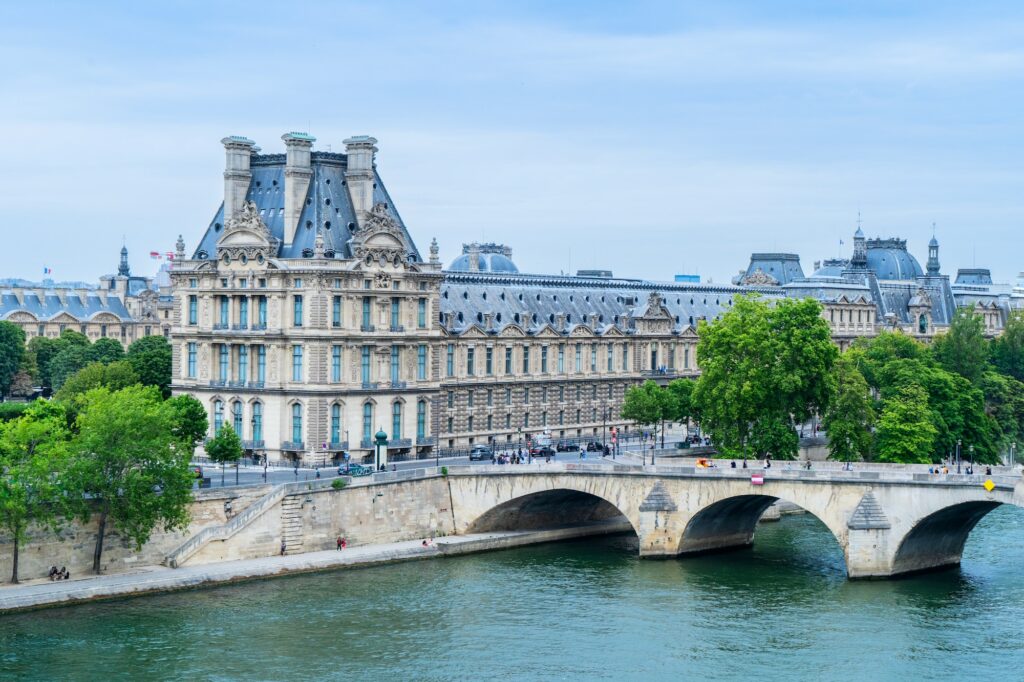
column 65, row 318
column 23, row 317
column 246, row 228
column 380, row 240
column 513, row 330
column 473, row 331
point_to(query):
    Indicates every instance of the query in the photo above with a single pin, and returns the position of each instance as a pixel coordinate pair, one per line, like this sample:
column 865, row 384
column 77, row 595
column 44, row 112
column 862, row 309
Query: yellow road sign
column 989, row 485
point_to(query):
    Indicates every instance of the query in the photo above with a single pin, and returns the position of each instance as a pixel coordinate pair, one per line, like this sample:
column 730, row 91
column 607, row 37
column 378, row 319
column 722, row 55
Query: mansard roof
column 327, row 209
column 536, row 302
column 47, row 305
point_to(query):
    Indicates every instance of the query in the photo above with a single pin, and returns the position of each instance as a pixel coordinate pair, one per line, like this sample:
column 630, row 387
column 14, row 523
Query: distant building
column 691, row 279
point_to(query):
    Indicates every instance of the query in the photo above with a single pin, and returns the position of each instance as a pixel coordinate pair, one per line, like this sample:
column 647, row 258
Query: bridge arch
column 730, row 523
column 549, row 508
column 937, row 539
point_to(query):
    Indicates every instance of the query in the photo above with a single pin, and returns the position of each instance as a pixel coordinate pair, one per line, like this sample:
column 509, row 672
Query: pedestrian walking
column 340, row 542
column 283, row 547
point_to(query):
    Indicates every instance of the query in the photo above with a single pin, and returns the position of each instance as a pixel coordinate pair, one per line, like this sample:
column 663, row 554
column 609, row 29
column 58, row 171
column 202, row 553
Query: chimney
column 237, row 176
column 359, row 173
column 298, row 171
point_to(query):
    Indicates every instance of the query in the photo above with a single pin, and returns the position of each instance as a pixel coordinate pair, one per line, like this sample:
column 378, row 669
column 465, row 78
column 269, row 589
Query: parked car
column 544, row 451
column 480, row 453
column 593, row 447
column 354, row 470
column 567, row 446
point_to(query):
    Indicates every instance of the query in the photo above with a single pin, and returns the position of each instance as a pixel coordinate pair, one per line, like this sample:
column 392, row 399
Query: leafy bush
column 338, row 484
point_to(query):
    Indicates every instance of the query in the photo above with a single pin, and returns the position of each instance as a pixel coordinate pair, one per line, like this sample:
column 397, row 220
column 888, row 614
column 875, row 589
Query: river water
column 578, row 610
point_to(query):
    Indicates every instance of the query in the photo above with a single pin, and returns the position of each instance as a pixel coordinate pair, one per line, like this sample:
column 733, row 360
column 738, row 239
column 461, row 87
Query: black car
column 594, row 447
column 567, row 446
column 545, row 451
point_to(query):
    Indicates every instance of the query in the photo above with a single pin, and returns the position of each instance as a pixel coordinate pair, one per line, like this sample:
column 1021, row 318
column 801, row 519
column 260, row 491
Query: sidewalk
column 152, row 579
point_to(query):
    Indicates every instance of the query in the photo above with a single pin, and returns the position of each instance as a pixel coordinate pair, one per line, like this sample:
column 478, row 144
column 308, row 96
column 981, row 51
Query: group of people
column 62, row 574
column 342, row 543
column 968, row 469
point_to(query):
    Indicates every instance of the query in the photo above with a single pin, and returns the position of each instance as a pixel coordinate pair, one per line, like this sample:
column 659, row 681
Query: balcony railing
column 399, row 384
column 335, row 446
column 397, row 328
column 253, row 445
column 255, row 384
column 296, row 446
column 369, row 385
column 660, row 372
column 366, row 443
column 236, row 384
column 426, row 440
column 218, row 383
column 258, row 327
column 400, row 443
column 220, row 325
column 366, row 328
column 239, row 327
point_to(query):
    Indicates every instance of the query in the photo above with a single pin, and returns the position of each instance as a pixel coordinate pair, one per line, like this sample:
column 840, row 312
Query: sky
column 648, row 138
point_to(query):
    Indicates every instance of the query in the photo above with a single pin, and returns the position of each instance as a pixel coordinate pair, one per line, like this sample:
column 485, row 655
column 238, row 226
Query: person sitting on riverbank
column 63, row 574
column 53, row 573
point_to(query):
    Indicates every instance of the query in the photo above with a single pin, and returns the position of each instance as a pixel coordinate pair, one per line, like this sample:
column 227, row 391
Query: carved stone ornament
column 382, row 280
column 380, row 239
column 760, row 278
column 246, row 237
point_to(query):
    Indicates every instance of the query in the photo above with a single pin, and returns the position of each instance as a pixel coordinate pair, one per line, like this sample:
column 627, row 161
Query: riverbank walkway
column 154, row 579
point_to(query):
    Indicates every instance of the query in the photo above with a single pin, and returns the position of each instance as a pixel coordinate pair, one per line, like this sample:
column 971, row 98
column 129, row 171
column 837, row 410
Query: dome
column 889, row 259
column 484, row 258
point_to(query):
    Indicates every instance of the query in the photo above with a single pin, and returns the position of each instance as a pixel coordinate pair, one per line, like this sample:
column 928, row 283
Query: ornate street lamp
column 958, row 442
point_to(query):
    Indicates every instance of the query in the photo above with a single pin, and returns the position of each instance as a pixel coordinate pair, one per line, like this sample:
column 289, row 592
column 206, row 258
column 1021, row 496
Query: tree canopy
column 963, row 348
column 850, row 416
column 150, row 356
column 12, row 350
column 905, row 430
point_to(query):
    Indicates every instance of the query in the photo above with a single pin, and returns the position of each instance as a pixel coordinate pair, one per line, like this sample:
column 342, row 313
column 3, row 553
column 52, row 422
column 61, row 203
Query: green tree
column 106, row 350
column 224, row 447
column 66, row 363
column 850, row 416
column 151, row 358
column 42, row 350
column 963, row 349
column 128, row 463
column 12, row 349
column 115, row 376
column 682, row 409
column 905, row 432
column 873, row 355
column 33, row 458
column 1008, row 348
column 764, row 368
column 1004, row 403
column 190, row 421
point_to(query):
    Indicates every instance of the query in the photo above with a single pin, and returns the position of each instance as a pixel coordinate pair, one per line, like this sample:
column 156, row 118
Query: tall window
column 364, row 362
column 366, row 313
column 261, row 311
column 336, row 311
column 421, row 419
column 579, row 357
column 223, row 362
column 236, row 417
column 335, row 423
column 191, row 360
column 335, row 363
column 218, row 416
column 257, row 421
column 686, row 358
column 296, row 363
column 508, row 359
column 490, row 397
column 421, row 313
column 469, row 398
column 296, row 423
column 297, row 310
column 526, row 359
column 450, row 361
column 421, row 362
column 526, row 396
column 508, row 396
column 561, row 358
column 544, row 359
column 470, row 369
column 243, row 313
column 625, row 358
column 489, row 361
column 243, row 363
column 526, row 420
column 193, row 309
column 593, row 357
column 396, row 420
column 367, row 421
column 396, row 309
column 261, row 363
column 395, row 363
column 224, row 316
column 611, row 357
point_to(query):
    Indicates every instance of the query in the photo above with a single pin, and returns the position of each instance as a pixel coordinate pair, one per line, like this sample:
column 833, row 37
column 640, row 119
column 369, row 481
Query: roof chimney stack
column 359, row 177
column 237, row 175
column 298, row 171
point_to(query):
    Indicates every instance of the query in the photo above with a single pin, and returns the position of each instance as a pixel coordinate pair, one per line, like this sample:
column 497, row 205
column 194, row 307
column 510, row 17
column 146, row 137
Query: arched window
column 236, row 417
column 296, row 423
column 218, row 416
column 421, row 419
column 257, row 421
column 367, row 421
column 335, row 423
column 396, row 420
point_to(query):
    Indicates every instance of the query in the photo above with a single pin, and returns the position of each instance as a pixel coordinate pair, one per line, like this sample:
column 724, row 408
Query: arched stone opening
column 729, row 524
column 549, row 509
column 937, row 540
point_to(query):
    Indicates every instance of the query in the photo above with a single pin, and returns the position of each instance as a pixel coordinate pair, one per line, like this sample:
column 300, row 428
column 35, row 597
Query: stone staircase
column 291, row 524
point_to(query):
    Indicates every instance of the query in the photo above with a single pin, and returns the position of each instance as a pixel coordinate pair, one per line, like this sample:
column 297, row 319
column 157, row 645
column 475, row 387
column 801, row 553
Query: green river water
column 578, row 610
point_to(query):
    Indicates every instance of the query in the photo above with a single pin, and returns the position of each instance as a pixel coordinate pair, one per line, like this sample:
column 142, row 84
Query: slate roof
column 327, row 208
column 784, row 267
column 46, row 305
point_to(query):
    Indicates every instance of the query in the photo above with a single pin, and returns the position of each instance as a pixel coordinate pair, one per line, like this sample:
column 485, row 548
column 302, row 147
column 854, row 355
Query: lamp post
column 958, row 443
column 1013, row 452
column 971, row 450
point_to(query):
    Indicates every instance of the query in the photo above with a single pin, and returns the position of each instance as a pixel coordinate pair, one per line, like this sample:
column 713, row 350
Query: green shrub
column 444, row 471
column 338, row 484
column 9, row 411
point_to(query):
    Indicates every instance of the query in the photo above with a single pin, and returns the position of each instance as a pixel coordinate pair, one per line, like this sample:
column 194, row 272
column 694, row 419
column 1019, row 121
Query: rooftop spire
column 122, row 268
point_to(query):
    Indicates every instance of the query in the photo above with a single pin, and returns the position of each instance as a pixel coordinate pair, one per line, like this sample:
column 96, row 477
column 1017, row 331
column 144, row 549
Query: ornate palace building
column 122, row 306
column 307, row 319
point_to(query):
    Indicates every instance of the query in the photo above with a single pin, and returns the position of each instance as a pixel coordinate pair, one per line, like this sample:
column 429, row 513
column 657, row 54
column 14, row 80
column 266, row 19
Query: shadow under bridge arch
column 938, row 539
column 730, row 524
column 557, row 508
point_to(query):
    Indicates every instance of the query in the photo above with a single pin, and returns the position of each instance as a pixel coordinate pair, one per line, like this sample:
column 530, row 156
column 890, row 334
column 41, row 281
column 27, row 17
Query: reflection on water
column 588, row 609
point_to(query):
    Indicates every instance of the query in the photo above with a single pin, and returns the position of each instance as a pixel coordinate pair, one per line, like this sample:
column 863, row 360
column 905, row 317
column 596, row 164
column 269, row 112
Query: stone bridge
column 887, row 522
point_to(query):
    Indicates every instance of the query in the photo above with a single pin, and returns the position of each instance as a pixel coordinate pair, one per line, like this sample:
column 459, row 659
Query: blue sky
column 651, row 138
